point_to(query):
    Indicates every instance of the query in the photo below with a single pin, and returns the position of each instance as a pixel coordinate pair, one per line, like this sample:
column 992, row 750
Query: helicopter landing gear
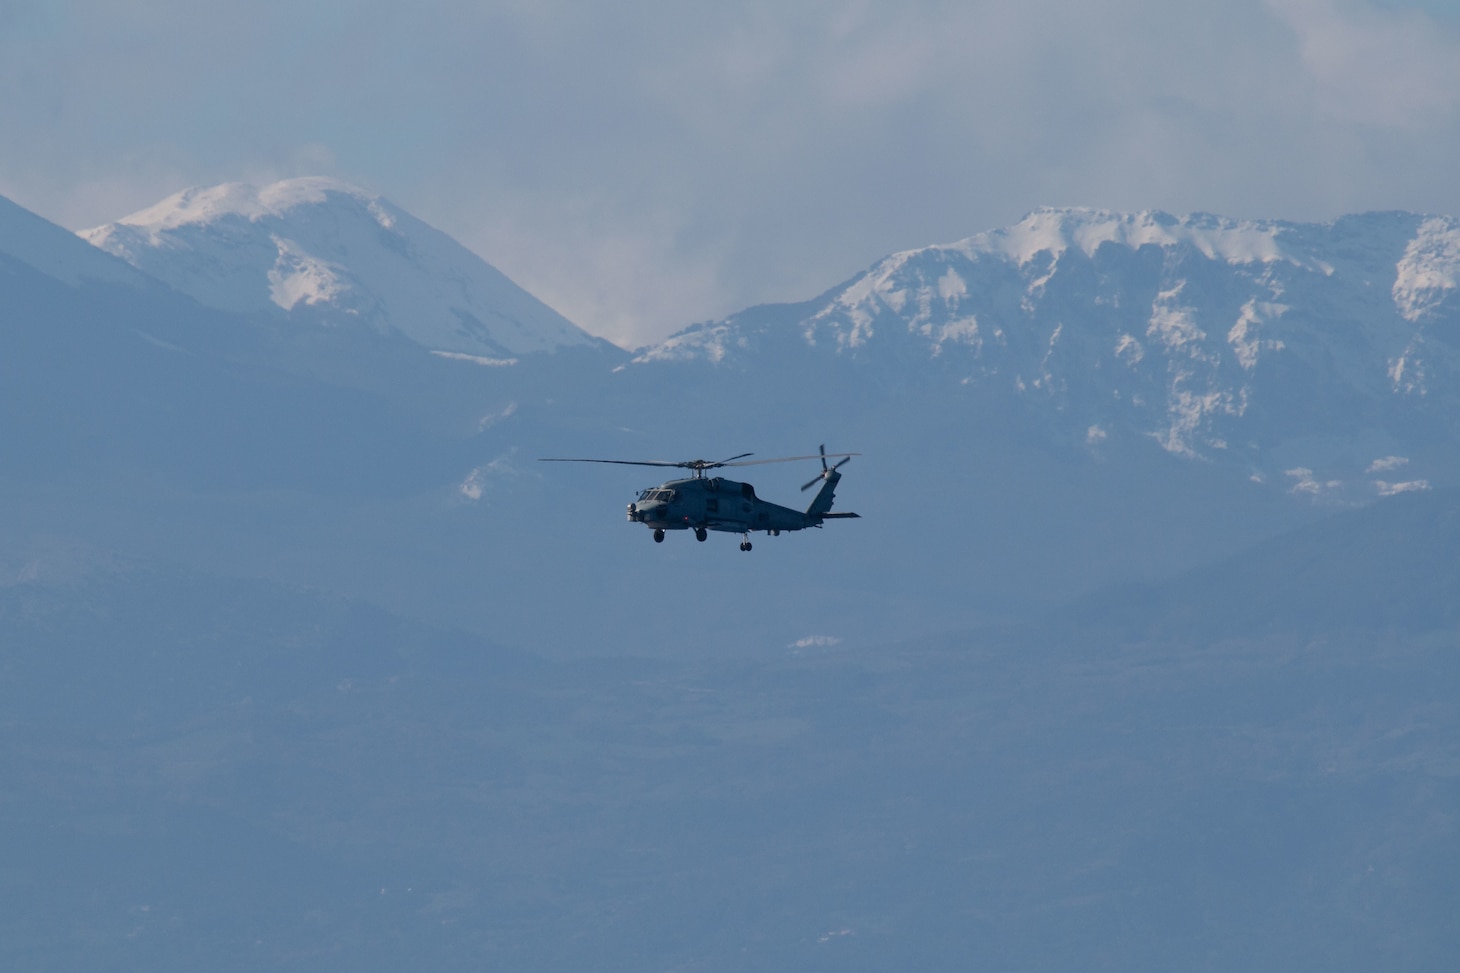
column 745, row 544
column 658, row 537
column 701, row 533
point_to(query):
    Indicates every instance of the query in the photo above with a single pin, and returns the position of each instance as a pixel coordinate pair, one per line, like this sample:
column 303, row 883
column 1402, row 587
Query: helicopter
column 705, row 503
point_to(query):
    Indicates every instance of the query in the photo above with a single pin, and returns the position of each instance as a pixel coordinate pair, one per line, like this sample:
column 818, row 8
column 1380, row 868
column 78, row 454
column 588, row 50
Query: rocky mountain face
column 1319, row 358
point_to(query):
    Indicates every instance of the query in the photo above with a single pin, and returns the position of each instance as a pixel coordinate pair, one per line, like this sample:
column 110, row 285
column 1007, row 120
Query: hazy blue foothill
column 1133, row 663
column 282, row 778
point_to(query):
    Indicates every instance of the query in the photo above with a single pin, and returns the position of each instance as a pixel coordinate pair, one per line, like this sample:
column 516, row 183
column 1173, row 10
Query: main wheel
column 701, row 533
column 747, row 545
column 658, row 537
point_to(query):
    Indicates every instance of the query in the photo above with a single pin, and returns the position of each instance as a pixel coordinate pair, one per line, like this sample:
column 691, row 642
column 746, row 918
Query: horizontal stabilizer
column 833, row 516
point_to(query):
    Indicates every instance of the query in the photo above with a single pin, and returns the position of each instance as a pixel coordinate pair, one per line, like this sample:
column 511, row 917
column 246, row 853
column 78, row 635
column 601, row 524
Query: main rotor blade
column 788, row 459
column 699, row 464
column 620, row 462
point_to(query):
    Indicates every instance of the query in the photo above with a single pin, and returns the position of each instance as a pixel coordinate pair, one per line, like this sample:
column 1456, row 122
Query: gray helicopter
column 705, row 503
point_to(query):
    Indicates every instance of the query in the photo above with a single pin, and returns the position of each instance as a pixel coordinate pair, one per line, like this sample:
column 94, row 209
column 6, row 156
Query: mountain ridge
column 31, row 239
column 1303, row 354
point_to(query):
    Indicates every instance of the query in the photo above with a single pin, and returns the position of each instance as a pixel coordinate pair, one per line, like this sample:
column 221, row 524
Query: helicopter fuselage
column 717, row 503
column 704, row 503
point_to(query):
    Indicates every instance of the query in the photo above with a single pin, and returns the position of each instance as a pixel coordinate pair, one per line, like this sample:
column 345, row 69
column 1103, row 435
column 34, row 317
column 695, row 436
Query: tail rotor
column 826, row 471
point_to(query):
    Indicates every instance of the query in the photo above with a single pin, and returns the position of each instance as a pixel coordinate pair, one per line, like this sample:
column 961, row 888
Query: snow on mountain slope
column 55, row 251
column 1261, row 341
column 322, row 251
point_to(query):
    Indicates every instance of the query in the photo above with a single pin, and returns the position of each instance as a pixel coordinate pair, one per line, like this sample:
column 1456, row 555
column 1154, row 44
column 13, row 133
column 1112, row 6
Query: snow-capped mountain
column 321, row 251
column 1284, row 346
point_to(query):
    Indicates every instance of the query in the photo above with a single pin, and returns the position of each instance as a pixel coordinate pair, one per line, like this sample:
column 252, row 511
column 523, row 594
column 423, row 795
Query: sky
column 645, row 164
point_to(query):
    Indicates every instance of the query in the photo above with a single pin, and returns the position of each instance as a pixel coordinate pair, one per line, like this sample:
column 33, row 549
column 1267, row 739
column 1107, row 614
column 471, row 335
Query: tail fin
column 820, row 508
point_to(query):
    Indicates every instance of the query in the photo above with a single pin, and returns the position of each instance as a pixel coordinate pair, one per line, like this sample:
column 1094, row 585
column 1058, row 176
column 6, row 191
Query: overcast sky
column 644, row 165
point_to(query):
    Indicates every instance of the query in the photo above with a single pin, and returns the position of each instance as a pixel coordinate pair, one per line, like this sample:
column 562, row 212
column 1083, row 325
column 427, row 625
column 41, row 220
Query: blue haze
column 274, row 693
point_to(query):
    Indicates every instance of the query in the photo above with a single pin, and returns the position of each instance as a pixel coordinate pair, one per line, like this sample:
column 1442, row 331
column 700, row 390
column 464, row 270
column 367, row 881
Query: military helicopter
column 705, row 503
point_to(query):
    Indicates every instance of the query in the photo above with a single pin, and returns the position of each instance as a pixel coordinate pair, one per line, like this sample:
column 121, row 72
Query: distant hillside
column 1394, row 565
column 93, row 642
column 208, row 773
column 307, row 664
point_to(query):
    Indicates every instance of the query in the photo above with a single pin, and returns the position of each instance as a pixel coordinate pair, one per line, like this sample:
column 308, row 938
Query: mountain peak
column 207, row 204
column 324, row 252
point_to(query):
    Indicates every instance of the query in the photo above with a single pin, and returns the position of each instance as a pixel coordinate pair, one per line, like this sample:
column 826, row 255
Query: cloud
column 641, row 166
column 1386, row 463
column 1386, row 68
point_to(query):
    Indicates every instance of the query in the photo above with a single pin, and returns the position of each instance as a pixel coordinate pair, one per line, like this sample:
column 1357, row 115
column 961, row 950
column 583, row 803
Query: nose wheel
column 701, row 533
column 658, row 537
column 745, row 544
